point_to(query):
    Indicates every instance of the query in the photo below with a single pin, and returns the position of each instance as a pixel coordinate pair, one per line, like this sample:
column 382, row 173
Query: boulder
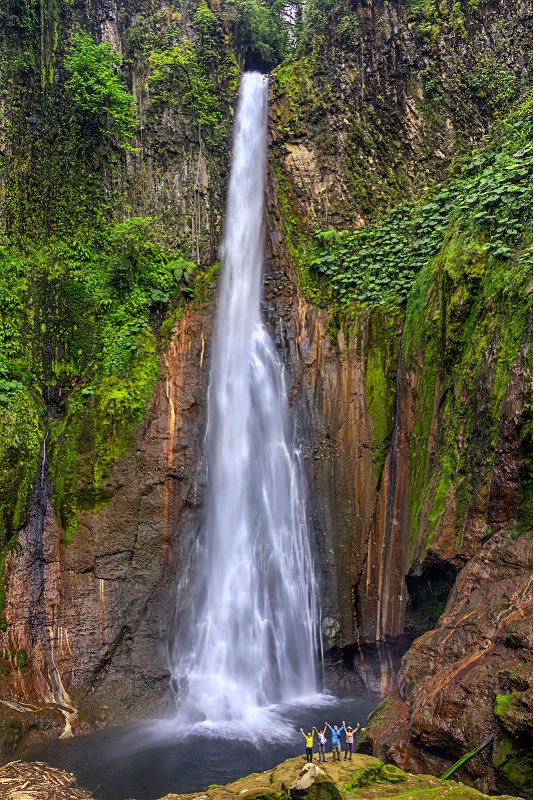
column 314, row 784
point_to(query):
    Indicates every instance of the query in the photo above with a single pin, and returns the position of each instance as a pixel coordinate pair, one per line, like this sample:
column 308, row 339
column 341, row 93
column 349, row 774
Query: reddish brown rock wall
column 91, row 616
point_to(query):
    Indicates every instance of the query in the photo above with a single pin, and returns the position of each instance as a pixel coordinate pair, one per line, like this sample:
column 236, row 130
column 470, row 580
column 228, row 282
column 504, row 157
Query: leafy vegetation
column 195, row 76
column 491, row 196
column 96, row 89
column 268, row 32
column 80, row 314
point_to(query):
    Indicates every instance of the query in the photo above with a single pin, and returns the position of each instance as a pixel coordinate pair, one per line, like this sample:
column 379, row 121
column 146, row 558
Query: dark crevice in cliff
column 428, row 592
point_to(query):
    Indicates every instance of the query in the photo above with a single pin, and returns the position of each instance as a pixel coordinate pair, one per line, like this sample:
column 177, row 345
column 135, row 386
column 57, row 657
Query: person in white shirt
column 322, row 743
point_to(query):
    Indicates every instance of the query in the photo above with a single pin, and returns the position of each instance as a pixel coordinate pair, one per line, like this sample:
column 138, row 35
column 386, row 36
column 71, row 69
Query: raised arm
column 331, row 728
column 303, row 733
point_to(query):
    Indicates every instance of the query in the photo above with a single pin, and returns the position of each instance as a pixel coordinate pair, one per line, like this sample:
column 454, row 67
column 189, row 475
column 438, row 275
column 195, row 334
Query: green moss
column 203, row 285
column 392, row 774
column 502, row 704
column 21, row 437
column 513, row 765
column 21, row 659
column 381, row 355
column 374, row 773
column 96, row 431
column 363, row 777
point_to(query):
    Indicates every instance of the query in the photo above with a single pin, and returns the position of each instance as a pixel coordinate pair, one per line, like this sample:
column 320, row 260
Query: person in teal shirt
column 309, row 744
column 336, row 742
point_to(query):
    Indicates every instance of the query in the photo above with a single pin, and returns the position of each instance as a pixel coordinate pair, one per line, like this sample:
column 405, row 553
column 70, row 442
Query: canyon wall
column 412, row 421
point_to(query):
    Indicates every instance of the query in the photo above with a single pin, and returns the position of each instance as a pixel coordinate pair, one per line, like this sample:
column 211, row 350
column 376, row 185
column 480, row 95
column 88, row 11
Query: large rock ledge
column 364, row 777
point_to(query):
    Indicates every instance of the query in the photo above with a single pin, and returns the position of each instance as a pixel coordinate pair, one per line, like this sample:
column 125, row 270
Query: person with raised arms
column 309, row 744
column 322, row 742
column 336, row 742
column 349, row 739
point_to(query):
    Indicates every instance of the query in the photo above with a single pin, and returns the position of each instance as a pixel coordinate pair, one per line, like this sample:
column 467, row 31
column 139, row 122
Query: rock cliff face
column 91, row 617
column 413, row 423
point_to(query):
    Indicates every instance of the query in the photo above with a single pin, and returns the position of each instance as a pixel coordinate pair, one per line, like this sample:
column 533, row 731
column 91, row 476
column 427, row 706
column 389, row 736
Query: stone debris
column 34, row 780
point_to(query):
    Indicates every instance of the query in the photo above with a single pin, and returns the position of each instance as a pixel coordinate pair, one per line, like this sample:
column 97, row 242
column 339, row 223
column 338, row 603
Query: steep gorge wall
column 91, row 617
column 446, row 504
column 373, row 113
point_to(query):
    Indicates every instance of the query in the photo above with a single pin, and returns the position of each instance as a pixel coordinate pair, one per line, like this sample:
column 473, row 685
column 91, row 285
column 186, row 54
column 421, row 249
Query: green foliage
column 7, row 389
column 79, row 314
column 180, row 63
column 491, row 196
column 469, row 314
column 96, row 430
column 204, row 71
column 21, row 434
column 96, row 89
column 12, row 287
column 267, row 32
column 119, row 277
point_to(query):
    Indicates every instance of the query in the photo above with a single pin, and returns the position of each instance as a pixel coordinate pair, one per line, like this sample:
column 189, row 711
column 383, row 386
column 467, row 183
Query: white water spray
column 254, row 620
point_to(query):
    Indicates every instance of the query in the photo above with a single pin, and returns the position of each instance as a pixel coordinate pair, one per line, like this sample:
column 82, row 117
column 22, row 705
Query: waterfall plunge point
column 252, row 618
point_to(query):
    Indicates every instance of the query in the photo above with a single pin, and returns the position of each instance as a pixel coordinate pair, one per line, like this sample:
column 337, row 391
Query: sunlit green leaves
column 95, row 85
column 491, row 196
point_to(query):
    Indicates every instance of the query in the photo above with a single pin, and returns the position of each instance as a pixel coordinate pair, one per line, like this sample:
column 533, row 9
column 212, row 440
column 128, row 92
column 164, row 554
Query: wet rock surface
column 21, row 727
column 452, row 677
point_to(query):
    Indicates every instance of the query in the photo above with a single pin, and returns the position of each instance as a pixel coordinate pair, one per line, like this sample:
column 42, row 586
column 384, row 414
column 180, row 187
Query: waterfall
column 255, row 614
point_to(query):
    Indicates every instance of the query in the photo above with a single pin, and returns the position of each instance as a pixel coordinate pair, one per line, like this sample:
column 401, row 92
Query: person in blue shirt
column 336, row 743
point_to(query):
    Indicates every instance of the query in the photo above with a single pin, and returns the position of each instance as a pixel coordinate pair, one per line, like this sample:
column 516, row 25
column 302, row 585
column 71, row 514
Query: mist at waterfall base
column 148, row 760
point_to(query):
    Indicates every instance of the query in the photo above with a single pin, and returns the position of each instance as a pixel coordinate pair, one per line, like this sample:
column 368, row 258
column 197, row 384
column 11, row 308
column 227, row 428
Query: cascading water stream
column 253, row 639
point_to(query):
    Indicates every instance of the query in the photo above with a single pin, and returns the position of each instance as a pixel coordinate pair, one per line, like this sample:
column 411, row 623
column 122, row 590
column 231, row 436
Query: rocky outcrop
column 451, row 455
column 22, row 726
column 364, row 777
column 376, row 109
column 314, row 784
